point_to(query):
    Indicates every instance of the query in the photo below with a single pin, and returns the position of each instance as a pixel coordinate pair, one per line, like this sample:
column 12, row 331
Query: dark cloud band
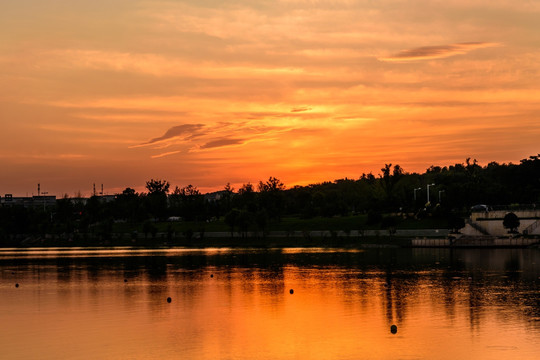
column 436, row 52
column 221, row 143
column 188, row 130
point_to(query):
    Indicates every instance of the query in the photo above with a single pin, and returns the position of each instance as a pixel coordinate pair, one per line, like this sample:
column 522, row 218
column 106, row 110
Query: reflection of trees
column 397, row 290
column 271, row 282
column 457, row 282
column 512, row 267
column 476, row 296
column 63, row 270
column 451, row 285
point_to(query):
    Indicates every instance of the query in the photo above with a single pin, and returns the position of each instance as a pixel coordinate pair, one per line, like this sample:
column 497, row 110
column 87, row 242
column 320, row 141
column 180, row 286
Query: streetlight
column 43, row 193
column 415, row 190
column 428, row 191
column 440, row 192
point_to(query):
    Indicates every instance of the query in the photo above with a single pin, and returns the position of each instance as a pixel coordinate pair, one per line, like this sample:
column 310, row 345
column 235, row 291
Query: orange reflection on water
column 109, row 309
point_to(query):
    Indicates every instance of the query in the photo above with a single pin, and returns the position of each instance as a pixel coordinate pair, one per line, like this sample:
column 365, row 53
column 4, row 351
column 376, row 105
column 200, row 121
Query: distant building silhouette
column 28, row 201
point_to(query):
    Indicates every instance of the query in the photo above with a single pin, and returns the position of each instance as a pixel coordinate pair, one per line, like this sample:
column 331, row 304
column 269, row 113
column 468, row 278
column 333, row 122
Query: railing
column 481, row 229
column 510, row 207
column 529, row 229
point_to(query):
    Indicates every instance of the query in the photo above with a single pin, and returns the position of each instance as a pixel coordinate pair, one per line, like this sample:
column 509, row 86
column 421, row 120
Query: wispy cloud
column 165, row 154
column 221, row 142
column 47, row 156
column 187, row 130
column 300, row 109
column 72, row 156
column 437, row 52
column 156, row 64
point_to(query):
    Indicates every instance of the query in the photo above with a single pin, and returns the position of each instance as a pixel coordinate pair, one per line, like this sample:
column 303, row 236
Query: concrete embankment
column 478, row 241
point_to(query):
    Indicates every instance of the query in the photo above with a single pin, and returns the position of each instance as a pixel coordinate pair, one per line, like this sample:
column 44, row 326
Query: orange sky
column 209, row 92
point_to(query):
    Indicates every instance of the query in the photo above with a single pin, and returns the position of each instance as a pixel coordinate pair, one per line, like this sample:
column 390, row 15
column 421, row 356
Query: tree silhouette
column 511, row 222
column 272, row 184
column 157, row 197
column 231, row 219
column 226, row 198
column 128, row 206
column 271, row 197
column 157, row 187
column 256, row 207
column 455, row 222
column 390, row 223
column 389, row 180
column 189, row 202
column 246, row 199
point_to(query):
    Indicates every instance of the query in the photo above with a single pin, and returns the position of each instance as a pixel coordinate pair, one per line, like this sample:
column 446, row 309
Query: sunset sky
column 206, row 92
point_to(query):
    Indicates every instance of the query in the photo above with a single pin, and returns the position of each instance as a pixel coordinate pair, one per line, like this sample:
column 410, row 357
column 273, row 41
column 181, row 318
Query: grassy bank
column 345, row 223
column 289, row 232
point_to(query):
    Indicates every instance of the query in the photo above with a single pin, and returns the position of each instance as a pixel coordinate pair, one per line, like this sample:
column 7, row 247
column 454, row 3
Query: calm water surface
column 236, row 304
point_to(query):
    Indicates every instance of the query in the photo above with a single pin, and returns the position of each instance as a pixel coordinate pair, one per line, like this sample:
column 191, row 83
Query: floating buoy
column 125, row 280
column 211, row 275
column 169, row 300
column 291, row 291
column 393, row 329
column 17, row 285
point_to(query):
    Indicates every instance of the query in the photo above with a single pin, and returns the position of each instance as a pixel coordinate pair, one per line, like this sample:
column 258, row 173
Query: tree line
column 452, row 191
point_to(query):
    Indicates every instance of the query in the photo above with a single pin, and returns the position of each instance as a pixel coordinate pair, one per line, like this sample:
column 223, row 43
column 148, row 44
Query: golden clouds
column 215, row 92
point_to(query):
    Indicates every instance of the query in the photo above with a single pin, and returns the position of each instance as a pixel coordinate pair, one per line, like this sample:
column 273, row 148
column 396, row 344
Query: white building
column 490, row 222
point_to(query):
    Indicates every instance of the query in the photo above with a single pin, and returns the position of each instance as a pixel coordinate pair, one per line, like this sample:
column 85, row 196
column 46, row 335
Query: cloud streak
column 165, row 154
column 437, row 52
column 300, row 109
column 221, row 143
column 188, row 130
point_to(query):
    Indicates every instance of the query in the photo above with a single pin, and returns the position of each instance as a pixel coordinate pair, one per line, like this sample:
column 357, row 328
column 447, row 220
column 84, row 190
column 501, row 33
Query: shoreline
column 206, row 240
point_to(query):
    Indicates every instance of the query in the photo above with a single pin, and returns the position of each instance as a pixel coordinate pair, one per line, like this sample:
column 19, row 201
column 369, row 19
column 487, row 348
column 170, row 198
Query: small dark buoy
column 169, row 300
column 291, row 291
column 125, row 280
column 13, row 273
column 211, row 275
column 393, row 329
column 17, row 285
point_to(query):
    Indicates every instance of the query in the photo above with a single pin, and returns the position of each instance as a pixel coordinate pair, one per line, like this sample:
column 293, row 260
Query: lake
column 301, row 303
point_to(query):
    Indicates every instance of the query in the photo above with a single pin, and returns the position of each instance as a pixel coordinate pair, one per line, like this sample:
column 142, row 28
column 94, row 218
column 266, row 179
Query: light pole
column 43, row 194
column 428, row 191
column 440, row 192
column 415, row 190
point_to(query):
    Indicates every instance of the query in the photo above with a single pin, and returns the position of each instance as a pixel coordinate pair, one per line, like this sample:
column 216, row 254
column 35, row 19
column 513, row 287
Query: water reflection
column 236, row 303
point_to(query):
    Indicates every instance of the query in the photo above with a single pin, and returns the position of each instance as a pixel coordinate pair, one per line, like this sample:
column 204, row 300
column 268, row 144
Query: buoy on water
column 17, row 285
column 169, row 299
column 291, row 291
column 393, row 329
